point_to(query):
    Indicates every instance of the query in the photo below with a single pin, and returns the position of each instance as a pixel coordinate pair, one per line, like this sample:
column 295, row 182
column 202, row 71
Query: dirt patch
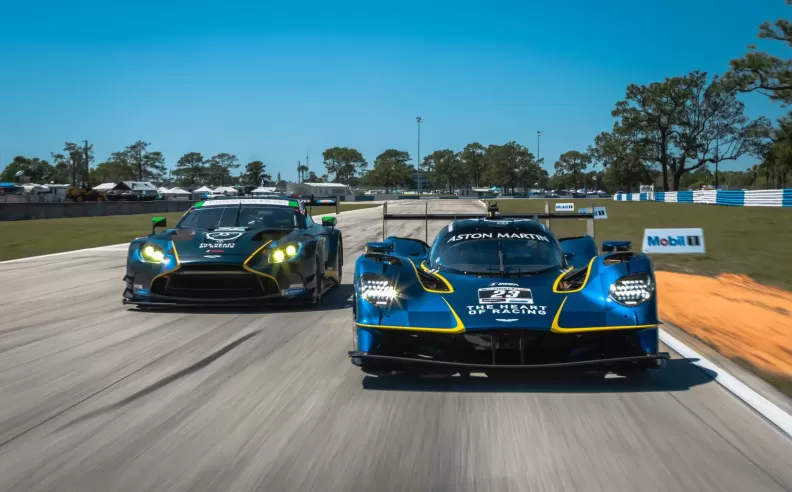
column 741, row 318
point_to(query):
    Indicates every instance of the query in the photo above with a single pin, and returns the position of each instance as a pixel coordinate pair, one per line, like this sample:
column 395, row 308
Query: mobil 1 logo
column 505, row 293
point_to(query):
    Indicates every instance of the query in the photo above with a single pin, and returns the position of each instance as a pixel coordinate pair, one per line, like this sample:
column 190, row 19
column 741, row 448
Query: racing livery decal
column 507, row 309
column 222, row 236
column 508, row 294
column 499, row 235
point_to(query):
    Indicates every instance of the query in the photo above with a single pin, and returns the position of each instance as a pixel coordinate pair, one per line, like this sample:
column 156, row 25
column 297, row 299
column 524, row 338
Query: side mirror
column 158, row 222
column 616, row 246
column 329, row 221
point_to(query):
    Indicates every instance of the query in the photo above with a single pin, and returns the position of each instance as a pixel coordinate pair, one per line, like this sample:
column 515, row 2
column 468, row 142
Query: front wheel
column 339, row 263
column 316, row 293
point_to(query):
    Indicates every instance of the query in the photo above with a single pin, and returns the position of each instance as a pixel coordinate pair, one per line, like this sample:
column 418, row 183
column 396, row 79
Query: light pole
column 419, row 119
column 538, row 136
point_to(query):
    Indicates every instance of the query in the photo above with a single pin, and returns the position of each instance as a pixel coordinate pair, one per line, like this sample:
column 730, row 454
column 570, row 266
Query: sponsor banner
column 673, row 241
column 293, row 291
column 564, row 207
column 505, row 294
column 497, row 235
column 249, row 201
column 507, row 309
column 599, row 212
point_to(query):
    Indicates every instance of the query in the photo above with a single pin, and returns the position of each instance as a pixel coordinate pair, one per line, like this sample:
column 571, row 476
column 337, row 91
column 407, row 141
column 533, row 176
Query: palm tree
column 302, row 170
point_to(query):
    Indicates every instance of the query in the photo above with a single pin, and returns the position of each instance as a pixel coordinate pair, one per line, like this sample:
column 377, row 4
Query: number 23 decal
column 505, row 293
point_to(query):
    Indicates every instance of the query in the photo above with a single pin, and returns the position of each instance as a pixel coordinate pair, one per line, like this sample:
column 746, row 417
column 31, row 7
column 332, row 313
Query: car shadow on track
column 339, row 297
column 678, row 375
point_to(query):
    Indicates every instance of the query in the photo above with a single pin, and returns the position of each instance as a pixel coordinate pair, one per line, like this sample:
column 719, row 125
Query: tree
column 302, row 169
column 511, row 165
column 622, row 159
column 112, row 171
column 777, row 156
column 445, row 168
column 343, row 162
column 573, row 163
column 220, row 166
column 190, row 168
column 680, row 123
column 764, row 73
column 134, row 162
column 474, row 160
column 149, row 166
column 75, row 161
column 390, row 170
column 313, row 178
column 255, row 174
column 37, row 170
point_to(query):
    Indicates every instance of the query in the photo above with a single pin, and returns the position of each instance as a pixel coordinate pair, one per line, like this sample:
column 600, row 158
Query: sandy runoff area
column 739, row 317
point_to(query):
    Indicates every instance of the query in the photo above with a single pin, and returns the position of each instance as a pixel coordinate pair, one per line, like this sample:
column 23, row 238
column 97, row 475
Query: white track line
column 756, row 401
column 64, row 253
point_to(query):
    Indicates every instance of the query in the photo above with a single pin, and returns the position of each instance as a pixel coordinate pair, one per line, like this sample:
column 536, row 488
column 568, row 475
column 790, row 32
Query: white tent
column 162, row 189
column 263, row 190
column 36, row 188
column 203, row 189
column 105, row 187
column 176, row 191
column 226, row 190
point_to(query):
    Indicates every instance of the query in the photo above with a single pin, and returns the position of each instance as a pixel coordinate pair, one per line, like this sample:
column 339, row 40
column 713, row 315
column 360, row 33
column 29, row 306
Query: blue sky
column 276, row 81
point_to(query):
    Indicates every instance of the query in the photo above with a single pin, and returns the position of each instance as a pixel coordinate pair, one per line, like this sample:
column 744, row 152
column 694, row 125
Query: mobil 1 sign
column 673, row 241
column 564, row 207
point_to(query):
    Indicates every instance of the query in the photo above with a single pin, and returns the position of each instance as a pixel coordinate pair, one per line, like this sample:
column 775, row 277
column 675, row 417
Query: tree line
column 135, row 163
column 670, row 133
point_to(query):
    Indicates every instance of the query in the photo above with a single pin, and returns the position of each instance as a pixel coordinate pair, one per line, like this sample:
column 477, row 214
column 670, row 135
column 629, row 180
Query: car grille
column 214, row 281
column 496, row 347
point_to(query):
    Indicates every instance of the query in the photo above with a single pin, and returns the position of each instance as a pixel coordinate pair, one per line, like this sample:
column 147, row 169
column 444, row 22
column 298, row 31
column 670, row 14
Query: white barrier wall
column 732, row 198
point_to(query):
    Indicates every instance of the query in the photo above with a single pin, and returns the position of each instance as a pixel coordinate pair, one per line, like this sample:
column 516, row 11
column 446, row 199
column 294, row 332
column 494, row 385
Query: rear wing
column 311, row 201
column 492, row 212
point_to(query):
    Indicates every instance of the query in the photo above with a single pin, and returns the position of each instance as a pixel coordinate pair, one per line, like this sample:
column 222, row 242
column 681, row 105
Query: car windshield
column 490, row 253
column 253, row 216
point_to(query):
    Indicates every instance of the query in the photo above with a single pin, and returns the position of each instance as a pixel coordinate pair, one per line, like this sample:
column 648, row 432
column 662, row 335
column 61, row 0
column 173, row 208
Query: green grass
column 753, row 241
column 21, row 239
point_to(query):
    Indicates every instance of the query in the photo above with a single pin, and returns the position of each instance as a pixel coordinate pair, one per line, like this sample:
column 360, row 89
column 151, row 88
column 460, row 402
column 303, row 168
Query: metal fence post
column 384, row 211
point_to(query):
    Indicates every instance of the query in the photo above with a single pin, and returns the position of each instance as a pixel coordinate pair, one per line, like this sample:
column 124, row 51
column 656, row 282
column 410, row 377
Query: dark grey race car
column 236, row 252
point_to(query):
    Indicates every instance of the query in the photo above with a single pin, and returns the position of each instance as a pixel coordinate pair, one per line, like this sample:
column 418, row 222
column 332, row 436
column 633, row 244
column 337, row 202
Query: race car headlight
column 152, row 253
column 285, row 252
column 378, row 290
column 632, row 290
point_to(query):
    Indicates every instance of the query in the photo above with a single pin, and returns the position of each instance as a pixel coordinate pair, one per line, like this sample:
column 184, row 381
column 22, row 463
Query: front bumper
column 214, row 284
column 502, row 349
column 655, row 360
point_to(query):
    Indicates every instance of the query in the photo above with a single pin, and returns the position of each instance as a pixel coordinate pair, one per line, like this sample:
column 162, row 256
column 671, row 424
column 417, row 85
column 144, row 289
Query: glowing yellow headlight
column 278, row 256
column 152, row 253
column 291, row 250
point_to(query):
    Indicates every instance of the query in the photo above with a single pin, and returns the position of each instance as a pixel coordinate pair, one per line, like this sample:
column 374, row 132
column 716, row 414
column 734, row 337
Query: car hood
column 226, row 244
column 503, row 303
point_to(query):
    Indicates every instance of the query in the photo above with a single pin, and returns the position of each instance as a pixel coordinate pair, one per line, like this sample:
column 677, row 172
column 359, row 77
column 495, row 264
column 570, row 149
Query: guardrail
column 729, row 198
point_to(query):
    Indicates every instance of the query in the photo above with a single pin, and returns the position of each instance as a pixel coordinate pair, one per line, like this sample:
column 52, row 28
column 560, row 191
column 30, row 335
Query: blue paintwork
column 417, row 308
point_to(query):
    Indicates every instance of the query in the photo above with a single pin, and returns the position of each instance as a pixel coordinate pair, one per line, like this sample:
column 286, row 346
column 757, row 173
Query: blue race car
column 502, row 292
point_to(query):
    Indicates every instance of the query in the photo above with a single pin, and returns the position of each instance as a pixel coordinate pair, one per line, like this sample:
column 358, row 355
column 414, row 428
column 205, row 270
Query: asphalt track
column 98, row 397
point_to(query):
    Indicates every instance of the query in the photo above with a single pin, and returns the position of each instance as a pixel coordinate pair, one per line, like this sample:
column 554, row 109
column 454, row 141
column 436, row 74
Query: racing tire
column 339, row 264
column 316, row 293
